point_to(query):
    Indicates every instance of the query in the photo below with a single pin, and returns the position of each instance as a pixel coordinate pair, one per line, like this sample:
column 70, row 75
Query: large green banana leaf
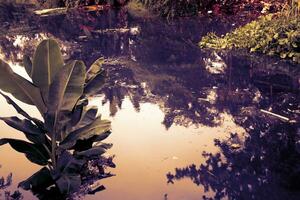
column 95, row 69
column 94, row 85
column 20, row 88
column 47, row 61
column 39, row 180
column 87, row 116
column 28, row 65
column 31, row 131
column 35, row 153
column 98, row 127
column 37, row 122
column 67, row 87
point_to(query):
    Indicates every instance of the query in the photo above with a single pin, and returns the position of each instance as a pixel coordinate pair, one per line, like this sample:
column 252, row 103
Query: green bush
column 274, row 34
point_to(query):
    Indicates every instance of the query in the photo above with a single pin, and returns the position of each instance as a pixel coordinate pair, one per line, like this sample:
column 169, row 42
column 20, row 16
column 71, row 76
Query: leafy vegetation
column 273, row 34
column 184, row 8
column 71, row 133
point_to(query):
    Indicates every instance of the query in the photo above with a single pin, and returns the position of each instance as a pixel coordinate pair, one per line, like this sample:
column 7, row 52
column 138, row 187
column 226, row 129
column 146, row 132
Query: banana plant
column 71, row 132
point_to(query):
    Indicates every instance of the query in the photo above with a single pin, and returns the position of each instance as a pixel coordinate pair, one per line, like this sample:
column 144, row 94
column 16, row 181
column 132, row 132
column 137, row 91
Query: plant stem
column 53, row 150
column 48, row 151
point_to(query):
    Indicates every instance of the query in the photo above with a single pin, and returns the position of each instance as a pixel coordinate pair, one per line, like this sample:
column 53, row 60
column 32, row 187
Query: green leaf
column 68, row 164
column 35, row 153
column 76, row 115
column 94, row 85
column 69, row 184
column 82, row 145
column 67, row 173
column 92, row 152
column 87, row 116
column 104, row 145
column 98, row 127
column 67, row 87
column 22, row 112
column 31, row 131
column 95, row 69
column 39, row 180
column 47, row 61
column 20, row 88
column 28, row 65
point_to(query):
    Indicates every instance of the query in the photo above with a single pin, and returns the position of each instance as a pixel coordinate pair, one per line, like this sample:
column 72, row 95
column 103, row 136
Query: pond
column 186, row 123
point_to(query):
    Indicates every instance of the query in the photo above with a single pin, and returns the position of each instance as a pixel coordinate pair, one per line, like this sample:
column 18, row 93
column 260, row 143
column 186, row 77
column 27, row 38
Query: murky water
column 168, row 101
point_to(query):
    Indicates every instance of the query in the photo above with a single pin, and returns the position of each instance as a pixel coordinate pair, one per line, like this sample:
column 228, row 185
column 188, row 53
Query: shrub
column 273, row 34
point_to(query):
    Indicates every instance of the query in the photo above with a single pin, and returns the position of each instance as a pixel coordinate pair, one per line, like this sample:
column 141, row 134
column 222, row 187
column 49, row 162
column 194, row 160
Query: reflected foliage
column 263, row 164
column 6, row 194
column 4, row 183
column 188, row 94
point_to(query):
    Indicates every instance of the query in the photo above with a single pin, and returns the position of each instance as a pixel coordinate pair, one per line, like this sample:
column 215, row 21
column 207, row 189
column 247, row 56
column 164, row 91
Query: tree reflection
column 6, row 194
column 264, row 164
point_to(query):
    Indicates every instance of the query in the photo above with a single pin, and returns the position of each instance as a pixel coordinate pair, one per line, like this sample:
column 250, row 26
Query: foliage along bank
column 273, row 34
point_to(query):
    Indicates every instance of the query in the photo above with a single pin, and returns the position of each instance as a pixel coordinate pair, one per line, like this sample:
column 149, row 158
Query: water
column 168, row 101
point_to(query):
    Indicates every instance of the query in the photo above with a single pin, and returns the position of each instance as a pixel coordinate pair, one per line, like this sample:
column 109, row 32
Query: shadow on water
column 156, row 62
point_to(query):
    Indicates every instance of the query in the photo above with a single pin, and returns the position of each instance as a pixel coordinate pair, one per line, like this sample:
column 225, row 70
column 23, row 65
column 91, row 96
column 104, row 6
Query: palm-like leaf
column 47, row 61
column 23, row 113
column 40, row 180
column 28, row 65
column 94, row 85
column 34, row 152
column 94, row 151
column 83, row 118
column 31, row 131
column 67, row 173
column 95, row 69
column 20, row 88
column 97, row 127
column 67, row 87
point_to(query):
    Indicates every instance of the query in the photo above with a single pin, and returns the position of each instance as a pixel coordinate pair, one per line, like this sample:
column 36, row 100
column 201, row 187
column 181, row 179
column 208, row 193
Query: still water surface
column 167, row 100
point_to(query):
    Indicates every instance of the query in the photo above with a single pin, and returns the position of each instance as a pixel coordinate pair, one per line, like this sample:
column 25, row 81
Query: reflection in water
column 158, row 75
column 6, row 194
column 189, row 94
column 153, row 151
column 264, row 165
column 4, row 183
